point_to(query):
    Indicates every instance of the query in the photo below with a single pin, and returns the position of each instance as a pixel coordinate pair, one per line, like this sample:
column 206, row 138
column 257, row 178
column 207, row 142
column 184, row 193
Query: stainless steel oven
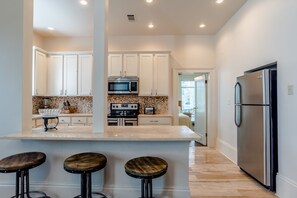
column 123, row 85
column 122, row 121
column 123, row 114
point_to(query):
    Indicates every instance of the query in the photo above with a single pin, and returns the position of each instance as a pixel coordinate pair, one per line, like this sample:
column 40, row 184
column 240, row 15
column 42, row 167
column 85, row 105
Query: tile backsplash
column 84, row 104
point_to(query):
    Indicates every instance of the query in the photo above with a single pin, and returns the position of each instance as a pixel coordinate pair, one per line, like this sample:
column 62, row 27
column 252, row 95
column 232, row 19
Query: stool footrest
column 44, row 195
column 94, row 193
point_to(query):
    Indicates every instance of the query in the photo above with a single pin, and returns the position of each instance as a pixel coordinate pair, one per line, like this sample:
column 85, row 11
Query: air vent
column 131, row 17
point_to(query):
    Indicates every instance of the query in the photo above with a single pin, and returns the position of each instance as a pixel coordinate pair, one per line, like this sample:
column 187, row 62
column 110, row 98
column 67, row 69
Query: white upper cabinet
column 55, row 75
column 130, row 65
column 161, row 74
column 70, row 75
column 146, row 72
column 123, row 65
column 40, row 74
column 85, row 70
column 154, row 75
column 115, row 64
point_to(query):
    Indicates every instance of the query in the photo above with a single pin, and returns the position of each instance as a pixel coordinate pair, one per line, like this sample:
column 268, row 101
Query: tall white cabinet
column 55, row 75
column 85, row 72
column 70, row 75
column 39, row 74
column 154, row 74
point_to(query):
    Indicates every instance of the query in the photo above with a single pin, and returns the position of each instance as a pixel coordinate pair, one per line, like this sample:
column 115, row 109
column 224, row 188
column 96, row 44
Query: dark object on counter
column 149, row 110
column 85, row 164
column 146, row 168
column 20, row 164
column 45, row 121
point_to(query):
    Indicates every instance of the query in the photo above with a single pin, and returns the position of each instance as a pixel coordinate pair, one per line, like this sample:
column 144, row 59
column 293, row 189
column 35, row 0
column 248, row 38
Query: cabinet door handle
column 156, row 92
column 36, row 91
column 90, row 91
column 61, row 92
column 125, row 73
column 151, row 91
column 120, row 73
column 65, row 92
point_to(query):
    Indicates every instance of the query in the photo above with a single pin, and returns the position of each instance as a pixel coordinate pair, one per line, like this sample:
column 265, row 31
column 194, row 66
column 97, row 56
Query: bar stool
column 146, row 168
column 20, row 164
column 85, row 164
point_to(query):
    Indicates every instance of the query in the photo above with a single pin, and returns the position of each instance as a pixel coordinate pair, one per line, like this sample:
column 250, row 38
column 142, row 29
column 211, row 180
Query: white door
column 115, row 63
column 161, row 75
column 40, row 74
column 146, row 64
column 55, row 75
column 70, row 75
column 201, row 108
column 130, row 65
column 85, row 74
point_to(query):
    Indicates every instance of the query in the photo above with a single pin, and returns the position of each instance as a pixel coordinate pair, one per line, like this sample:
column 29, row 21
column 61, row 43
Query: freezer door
column 253, row 142
column 254, row 88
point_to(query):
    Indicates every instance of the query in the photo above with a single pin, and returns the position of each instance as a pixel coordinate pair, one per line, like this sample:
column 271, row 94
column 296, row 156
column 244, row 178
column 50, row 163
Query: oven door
column 130, row 122
column 113, row 121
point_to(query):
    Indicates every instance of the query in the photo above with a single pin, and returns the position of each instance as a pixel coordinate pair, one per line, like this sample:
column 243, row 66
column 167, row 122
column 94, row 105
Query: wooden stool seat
column 85, row 164
column 20, row 164
column 21, row 161
column 146, row 168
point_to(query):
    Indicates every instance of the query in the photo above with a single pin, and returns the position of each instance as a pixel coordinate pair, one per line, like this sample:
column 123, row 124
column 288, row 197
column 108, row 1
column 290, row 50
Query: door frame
column 211, row 100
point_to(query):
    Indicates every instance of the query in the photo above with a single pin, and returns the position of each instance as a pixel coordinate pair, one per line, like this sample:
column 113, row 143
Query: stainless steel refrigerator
column 256, row 121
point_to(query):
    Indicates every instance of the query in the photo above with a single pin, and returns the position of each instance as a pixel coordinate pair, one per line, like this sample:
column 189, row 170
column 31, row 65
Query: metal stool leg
column 83, row 186
column 150, row 182
column 89, row 185
column 142, row 188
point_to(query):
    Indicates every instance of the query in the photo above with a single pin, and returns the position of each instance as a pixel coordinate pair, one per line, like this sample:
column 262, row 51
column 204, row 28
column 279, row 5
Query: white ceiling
column 170, row 17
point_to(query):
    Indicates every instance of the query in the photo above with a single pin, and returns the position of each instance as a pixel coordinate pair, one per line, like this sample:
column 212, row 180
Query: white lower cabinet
column 64, row 121
column 78, row 121
column 155, row 120
column 74, row 120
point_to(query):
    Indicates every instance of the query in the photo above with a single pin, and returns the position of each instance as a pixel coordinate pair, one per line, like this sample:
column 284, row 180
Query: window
column 188, row 96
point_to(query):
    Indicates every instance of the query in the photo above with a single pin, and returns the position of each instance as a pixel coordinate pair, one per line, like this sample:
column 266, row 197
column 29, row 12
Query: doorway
column 194, row 96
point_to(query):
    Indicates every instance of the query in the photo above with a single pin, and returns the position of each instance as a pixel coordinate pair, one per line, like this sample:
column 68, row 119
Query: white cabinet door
column 85, row 74
column 70, row 75
column 146, row 72
column 40, row 74
column 161, row 75
column 115, row 63
column 55, row 75
column 130, row 67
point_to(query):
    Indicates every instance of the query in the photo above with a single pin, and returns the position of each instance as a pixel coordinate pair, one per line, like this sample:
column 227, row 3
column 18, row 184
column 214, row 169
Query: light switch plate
column 290, row 90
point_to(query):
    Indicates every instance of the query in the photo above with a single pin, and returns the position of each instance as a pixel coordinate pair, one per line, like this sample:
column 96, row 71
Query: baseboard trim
column 227, row 150
column 285, row 187
column 65, row 190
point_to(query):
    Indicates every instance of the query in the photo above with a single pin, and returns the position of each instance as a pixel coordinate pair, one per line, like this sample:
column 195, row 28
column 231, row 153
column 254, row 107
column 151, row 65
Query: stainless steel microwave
column 123, row 85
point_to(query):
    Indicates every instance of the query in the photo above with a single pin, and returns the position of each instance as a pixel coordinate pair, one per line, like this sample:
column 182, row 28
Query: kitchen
column 230, row 66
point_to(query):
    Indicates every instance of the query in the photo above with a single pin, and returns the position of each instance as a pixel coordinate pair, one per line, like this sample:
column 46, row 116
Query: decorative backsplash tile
column 84, row 104
column 78, row 104
column 160, row 103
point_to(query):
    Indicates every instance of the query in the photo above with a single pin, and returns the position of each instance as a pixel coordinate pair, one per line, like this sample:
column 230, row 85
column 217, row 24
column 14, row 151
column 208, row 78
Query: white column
column 16, row 19
column 100, row 65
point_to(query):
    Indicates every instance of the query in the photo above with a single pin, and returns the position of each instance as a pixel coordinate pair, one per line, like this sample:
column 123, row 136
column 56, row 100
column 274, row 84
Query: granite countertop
column 37, row 116
column 128, row 133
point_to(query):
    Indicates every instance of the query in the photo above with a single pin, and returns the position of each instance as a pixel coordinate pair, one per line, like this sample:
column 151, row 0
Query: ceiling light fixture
column 149, row 1
column 219, row 1
column 202, row 25
column 83, row 2
column 51, row 28
column 151, row 25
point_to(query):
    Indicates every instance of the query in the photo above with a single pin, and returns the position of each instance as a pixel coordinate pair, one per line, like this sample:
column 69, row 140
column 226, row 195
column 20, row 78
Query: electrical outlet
column 290, row 90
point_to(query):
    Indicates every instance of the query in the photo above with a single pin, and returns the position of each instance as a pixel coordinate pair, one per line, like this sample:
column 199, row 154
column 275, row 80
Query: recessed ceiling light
column 219, row 1
column 83, row 2
column 202, row 25
column 51, row 28
column 149, row 1
column 151, row 25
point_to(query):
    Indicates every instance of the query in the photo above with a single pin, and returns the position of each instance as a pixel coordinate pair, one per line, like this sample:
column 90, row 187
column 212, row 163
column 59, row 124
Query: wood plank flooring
column 214, row 175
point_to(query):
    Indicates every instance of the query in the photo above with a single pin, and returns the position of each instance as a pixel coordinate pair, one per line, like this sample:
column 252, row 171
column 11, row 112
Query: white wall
column 68, row 44
column 38, row 40
column 262, row 31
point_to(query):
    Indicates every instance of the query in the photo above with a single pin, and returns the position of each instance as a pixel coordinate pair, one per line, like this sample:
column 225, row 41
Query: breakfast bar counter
column 119, row 145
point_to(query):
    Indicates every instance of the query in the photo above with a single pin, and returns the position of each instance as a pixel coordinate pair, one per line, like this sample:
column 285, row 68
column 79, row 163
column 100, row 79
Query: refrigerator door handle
column 237, row 101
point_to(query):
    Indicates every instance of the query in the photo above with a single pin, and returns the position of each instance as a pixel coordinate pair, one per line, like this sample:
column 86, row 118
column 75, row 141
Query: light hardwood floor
column 214, row 175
